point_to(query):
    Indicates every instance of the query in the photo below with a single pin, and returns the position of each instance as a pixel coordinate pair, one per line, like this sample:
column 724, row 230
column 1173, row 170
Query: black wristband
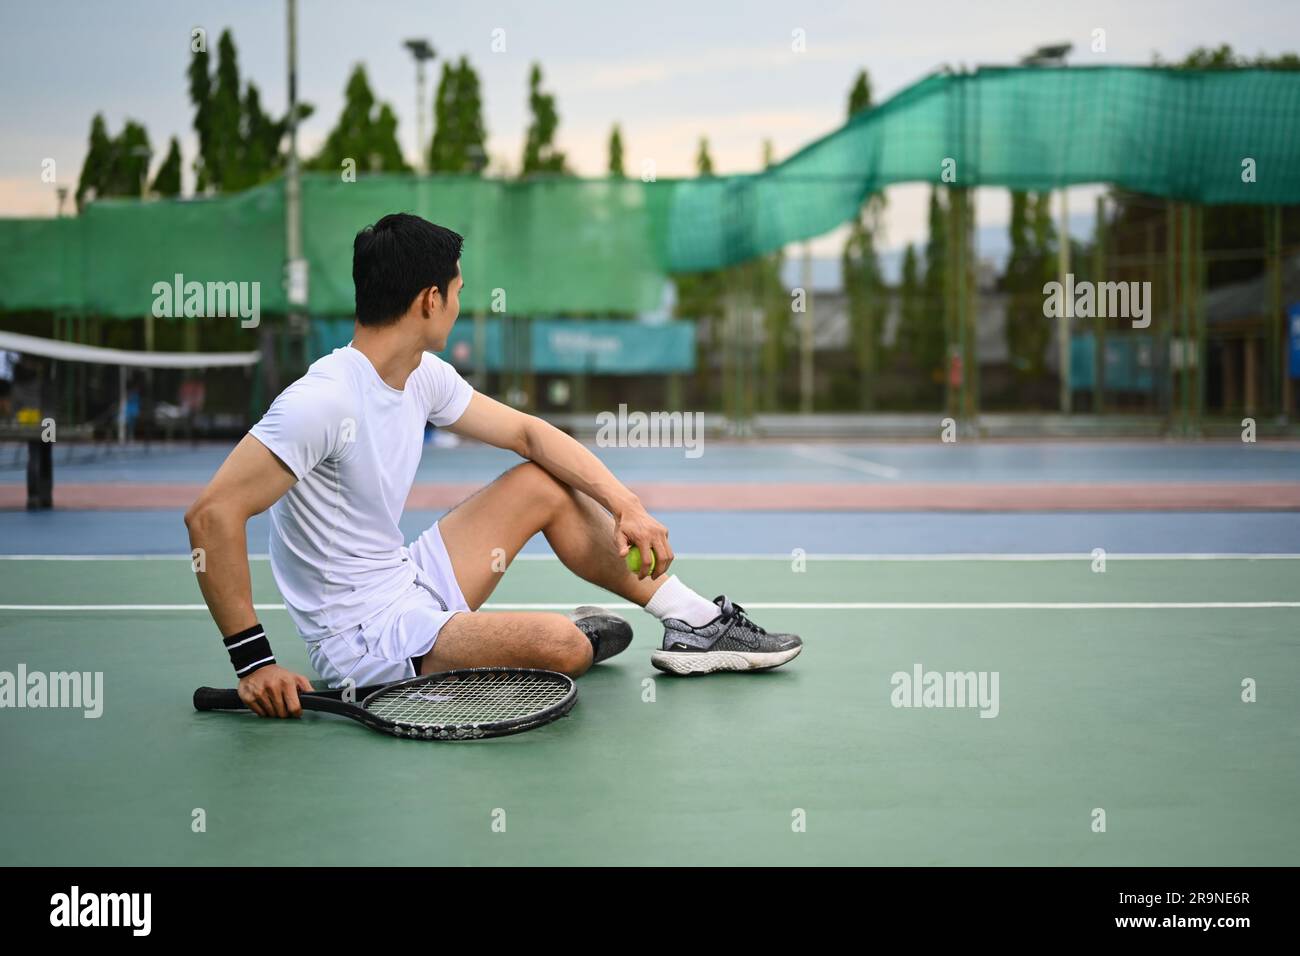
column 249, row 650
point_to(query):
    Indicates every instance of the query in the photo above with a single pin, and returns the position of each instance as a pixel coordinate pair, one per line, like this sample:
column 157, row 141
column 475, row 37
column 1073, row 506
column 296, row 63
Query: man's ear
column 428, row 302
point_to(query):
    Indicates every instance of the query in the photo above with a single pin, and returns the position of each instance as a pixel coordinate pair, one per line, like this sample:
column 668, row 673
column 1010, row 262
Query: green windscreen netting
column 581, row 245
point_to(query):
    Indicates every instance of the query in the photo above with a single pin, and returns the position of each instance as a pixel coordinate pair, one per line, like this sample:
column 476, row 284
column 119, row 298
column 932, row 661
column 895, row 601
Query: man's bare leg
column 509, row 639
column 484, row 533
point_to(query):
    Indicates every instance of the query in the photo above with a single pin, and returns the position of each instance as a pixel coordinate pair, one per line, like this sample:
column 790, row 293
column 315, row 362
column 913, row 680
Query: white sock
column 675, row 600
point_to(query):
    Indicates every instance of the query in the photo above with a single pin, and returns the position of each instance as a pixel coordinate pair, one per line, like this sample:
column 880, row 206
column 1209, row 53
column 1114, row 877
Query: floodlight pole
column 423, row 52
column 295, row 267
column 421, row 162
column 292, row 183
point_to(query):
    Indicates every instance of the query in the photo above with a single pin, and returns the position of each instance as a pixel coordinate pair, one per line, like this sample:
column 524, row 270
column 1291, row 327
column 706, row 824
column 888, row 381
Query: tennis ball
column 634, row 560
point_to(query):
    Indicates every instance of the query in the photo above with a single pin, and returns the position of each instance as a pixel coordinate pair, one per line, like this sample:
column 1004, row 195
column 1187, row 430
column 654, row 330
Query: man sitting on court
column 334, row 459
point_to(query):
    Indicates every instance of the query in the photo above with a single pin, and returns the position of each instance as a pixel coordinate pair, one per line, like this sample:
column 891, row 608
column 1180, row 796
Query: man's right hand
column 272, row 691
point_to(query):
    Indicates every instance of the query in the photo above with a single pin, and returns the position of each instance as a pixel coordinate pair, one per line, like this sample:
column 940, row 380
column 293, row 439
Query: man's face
column 445, row 311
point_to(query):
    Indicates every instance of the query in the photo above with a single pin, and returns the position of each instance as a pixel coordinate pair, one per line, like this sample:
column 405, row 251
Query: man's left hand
column 635, row 526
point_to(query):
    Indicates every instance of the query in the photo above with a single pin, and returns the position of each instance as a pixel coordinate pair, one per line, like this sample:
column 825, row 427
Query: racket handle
column 327, row 701
column 215, row 698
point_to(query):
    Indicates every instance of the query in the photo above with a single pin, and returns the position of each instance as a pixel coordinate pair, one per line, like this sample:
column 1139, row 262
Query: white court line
column 112, row 557
column 995, row 556
column 779, row 556
column 827, row 456
column 769, row 606
column 946, row 606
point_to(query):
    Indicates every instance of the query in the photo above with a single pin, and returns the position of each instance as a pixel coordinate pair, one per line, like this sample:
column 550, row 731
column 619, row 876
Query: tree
column 1027, row 329
column 201, row 96
column 703, row 160
column 261, row 147
column 1224, row 57
column 864, row 284
column 540, row 154
column 225, row 123
column 459, row 137
column 386, row 148
column 616, row 153
column 924, row 338
column 167, row 181
column 366, row 132
column 860, row 94
column 239, row 144
column 1044, row 234
column 114, row 165
column 1032, row 263
column 911, row 297
column 773, row 303
column 130, row 166
column 99, row 156
column 864, row 287
column 701, row 297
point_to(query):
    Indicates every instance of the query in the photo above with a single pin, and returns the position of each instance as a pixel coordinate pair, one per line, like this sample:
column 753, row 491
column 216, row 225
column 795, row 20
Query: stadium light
column 423, row 52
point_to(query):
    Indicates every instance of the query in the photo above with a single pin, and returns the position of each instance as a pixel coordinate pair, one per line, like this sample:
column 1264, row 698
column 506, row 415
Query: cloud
column 629, row 74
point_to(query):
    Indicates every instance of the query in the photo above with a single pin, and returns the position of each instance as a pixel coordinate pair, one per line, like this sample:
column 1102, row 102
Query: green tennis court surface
column 1119, row 690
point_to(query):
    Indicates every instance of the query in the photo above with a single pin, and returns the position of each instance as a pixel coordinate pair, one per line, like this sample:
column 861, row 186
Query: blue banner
column 1129, row 358
column 552, row 346
column 612, row 347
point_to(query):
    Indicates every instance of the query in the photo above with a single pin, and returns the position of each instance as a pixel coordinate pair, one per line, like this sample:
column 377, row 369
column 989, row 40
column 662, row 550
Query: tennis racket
column 456, row 705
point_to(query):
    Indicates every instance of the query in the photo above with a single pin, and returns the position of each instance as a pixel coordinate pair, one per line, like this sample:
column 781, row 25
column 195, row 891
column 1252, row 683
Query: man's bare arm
column 249, row 481
column 572, row 463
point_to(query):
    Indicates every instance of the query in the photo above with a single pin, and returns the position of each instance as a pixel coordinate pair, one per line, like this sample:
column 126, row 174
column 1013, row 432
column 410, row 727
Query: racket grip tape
column 217, row 698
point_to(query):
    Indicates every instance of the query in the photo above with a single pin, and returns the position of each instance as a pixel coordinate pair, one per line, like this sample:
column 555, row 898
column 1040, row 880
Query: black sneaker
column 730, row 642
column 609, row 634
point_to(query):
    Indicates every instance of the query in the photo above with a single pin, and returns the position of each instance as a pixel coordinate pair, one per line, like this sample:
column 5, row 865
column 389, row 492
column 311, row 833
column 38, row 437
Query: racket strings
column 479, row 699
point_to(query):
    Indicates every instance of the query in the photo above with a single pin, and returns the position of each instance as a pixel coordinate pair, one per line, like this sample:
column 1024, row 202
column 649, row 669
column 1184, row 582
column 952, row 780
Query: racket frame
column 331, row 701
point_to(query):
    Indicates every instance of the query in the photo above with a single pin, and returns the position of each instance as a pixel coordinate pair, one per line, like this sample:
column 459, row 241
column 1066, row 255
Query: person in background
column 132, row 408
column 8, row 365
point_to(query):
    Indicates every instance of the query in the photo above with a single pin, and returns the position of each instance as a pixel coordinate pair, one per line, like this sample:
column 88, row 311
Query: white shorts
column 379, row 650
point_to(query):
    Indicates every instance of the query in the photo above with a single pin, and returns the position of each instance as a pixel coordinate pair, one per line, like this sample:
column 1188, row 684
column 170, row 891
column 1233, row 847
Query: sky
column 668, row 72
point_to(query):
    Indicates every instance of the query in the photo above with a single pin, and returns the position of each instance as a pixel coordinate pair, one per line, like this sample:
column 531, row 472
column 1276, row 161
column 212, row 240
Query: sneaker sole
column 709, row 662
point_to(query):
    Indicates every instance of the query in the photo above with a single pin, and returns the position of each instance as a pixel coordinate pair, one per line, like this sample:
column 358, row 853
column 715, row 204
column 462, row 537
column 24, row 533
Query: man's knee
column 537, row 485
column 568, row 650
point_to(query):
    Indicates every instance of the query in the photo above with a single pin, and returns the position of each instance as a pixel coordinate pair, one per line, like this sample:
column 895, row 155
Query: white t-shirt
column 354, row 443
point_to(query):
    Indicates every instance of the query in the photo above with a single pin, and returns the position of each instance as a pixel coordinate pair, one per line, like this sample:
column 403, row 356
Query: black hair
column 395, row 260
